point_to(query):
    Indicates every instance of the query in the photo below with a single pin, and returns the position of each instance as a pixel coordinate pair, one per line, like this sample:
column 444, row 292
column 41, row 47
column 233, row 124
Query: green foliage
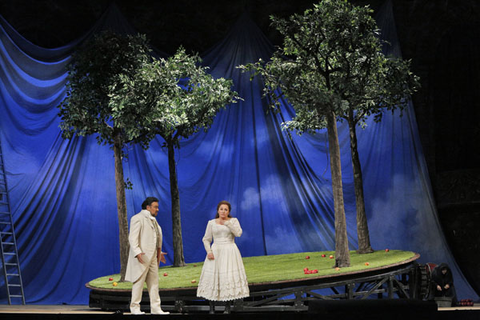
column 185, row 97
column 91, row 107
column 331, row 60
column 116, row 90
column 128, row 185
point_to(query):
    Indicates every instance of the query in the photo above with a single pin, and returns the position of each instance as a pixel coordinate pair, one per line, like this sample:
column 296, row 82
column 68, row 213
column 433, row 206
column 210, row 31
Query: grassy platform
column 272, row 268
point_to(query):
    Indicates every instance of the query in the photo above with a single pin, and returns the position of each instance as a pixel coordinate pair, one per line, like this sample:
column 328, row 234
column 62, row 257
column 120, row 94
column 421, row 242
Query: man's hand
column 439, row 288
column 139, row 257
column 446, row 287
column 162, row 257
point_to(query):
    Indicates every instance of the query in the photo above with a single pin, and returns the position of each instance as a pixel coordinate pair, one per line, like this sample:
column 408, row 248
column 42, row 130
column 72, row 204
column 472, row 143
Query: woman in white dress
column 223, row 275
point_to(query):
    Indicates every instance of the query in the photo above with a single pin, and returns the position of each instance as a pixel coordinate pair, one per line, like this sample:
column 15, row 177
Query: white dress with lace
column 223, row 278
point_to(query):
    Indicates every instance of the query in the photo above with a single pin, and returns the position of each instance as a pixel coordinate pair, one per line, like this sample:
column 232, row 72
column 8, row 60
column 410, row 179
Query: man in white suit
column 145, row 253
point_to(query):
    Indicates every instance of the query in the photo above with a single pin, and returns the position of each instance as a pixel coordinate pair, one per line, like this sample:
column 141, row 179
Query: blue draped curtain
column 62, row 192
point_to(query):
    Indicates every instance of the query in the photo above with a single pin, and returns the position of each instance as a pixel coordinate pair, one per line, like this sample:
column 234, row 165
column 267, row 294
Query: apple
column 337, row 268
column 367, row 264
column 114, row 284
column 307, row 257
column 194, row 265
column 315, row 271
column 165, row 274
column 386, row 250
column 331, row 257
column 305, row 269
column 324, row 255
column 110, row 279
column 193, row 281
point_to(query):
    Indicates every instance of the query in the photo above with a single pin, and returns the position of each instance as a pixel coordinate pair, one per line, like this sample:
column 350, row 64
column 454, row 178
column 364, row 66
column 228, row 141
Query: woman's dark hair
column 229, row 208
column 148, row 202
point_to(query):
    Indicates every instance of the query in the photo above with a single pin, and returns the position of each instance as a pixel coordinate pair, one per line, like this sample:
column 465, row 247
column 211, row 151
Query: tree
column 366, row 81
column 331, row 68
column 91, row 107
column 305, row 72
column 187, row 99
column 386, row 84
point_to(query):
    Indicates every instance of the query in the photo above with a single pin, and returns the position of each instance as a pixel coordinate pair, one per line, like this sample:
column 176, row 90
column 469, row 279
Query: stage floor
column 43, row 312
column 50, row 309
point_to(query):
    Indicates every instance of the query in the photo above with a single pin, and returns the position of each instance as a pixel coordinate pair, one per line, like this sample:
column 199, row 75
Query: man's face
column 153, row 208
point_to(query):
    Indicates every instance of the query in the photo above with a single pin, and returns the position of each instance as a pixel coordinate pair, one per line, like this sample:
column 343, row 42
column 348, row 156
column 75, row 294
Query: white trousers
column 150, row 275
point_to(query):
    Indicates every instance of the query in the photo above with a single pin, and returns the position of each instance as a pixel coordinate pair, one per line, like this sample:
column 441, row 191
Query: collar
column 147, row 214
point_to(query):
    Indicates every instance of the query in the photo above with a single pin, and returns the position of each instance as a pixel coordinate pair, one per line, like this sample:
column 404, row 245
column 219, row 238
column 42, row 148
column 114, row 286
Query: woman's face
column 223, row 211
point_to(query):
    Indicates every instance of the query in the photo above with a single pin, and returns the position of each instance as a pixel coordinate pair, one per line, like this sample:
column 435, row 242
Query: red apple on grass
column 331, row 257
column 307, row 257
column 324, row 255
column 110, row 279
column 386, row 250
column 193, row 281
column 165, row 274
column 367, row 264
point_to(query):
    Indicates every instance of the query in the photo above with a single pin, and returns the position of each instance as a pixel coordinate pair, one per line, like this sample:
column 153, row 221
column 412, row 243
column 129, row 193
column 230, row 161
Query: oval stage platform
column 403, row 280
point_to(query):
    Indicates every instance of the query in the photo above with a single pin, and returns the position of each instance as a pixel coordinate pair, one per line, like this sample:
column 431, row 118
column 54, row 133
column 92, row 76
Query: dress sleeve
column 234, row 226
column 207, row 238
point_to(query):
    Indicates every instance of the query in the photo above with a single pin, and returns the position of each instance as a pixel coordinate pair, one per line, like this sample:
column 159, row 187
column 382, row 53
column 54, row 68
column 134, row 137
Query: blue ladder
column 8, row 243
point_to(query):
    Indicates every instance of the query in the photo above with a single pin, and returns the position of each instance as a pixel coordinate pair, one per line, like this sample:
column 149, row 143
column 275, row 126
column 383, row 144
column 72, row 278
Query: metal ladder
column 8, row 243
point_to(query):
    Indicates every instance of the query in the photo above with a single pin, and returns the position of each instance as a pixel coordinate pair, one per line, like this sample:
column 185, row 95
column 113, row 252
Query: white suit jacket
column 142, row 238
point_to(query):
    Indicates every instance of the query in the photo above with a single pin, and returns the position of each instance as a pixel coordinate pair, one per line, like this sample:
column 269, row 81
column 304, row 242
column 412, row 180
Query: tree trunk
column 178, row 259
column 363, row 234
column 342, row 254
column 121, row 206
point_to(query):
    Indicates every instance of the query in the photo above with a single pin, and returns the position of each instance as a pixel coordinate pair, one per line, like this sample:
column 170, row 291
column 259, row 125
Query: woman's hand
column 222, row 221
column 210, row 256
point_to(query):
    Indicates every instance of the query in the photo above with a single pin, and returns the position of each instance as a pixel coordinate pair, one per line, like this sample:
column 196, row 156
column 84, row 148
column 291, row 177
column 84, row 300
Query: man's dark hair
column 148, row 202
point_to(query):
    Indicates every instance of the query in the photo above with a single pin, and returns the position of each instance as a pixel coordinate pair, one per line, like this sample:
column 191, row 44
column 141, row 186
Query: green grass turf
column 269, row 268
